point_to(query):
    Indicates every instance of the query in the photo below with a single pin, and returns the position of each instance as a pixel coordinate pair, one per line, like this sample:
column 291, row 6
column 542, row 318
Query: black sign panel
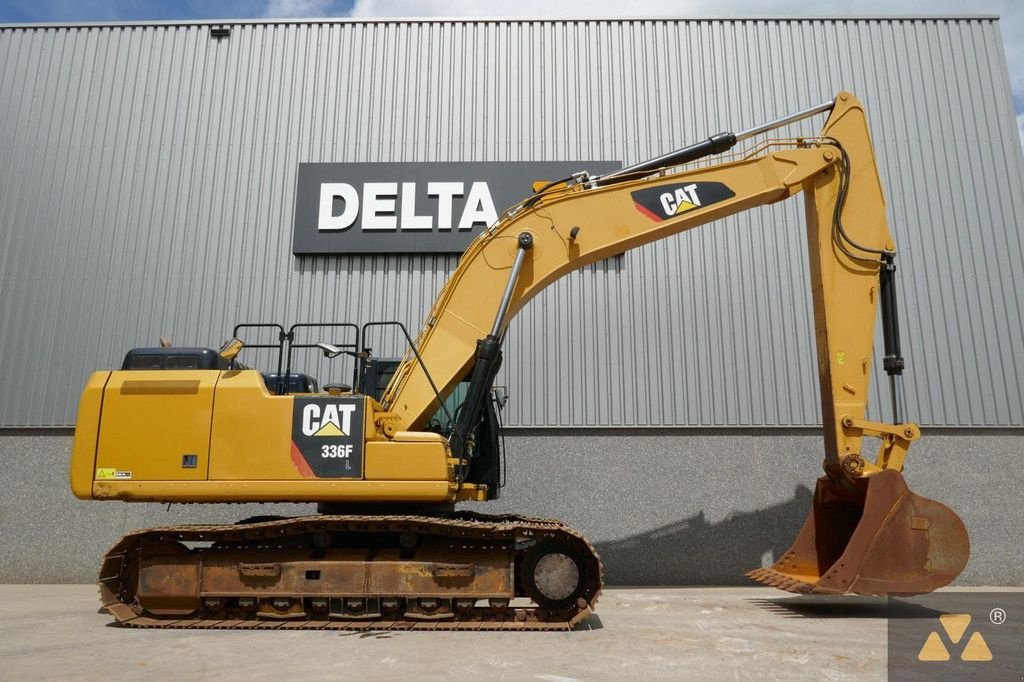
column 412, row 207
column 327, row 436
column 665, row 202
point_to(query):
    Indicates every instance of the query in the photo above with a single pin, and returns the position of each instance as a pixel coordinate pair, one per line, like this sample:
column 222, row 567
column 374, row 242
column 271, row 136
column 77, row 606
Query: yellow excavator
column 388, row 459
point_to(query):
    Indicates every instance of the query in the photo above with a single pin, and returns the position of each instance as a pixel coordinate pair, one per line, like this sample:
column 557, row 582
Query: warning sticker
column 106, row 474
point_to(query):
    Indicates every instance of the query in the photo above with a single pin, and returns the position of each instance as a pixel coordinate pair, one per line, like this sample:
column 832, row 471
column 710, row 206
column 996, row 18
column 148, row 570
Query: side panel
column 83, row 452
column 414, row 461
column 156, row 426
column 258, row 436
column 252, row 428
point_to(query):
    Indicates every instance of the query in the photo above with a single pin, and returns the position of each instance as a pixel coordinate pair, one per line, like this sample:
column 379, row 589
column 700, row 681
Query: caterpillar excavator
column 388, row 548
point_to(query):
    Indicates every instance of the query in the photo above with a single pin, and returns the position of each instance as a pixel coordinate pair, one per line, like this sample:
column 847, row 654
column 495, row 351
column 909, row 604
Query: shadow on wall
column 694, row 551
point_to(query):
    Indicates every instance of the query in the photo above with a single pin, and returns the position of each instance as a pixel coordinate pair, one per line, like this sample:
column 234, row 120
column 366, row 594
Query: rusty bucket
column 877, row 538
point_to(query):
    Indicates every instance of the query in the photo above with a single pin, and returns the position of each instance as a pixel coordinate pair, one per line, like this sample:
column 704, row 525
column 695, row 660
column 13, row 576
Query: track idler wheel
column 878, row 538
column 552, row 575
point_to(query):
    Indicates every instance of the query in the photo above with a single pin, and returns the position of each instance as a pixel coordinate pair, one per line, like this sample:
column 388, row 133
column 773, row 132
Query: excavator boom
column 867, row 533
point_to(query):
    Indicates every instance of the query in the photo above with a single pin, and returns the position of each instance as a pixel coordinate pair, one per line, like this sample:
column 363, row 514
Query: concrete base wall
column 672, row 507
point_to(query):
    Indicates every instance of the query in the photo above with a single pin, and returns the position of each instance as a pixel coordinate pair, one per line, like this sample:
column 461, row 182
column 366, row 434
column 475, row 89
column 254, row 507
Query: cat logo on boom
column 669, row 201
column 680, row 201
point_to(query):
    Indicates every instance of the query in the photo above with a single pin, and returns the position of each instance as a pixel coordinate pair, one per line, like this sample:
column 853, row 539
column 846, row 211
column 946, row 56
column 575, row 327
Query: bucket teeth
column 773, row 578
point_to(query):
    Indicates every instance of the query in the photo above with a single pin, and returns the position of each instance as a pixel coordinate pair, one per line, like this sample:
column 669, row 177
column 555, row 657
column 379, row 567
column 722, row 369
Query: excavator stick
column 874, row 538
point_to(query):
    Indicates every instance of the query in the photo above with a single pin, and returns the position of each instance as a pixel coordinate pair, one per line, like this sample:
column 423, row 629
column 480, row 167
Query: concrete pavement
column 54, row 632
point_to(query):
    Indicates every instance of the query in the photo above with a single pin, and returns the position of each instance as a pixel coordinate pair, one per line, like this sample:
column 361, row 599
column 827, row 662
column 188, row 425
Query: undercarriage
column 463, row 571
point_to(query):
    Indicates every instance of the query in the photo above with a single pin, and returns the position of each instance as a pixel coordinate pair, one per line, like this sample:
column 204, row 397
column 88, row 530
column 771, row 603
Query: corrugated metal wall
column 147, row 179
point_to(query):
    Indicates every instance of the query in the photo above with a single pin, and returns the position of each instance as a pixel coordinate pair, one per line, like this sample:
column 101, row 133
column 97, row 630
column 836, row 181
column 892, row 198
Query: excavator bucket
column 877, row 539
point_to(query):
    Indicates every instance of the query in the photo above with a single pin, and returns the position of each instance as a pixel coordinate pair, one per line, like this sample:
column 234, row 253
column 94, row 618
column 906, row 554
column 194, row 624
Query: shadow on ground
column 695, row 552
column 847, row 606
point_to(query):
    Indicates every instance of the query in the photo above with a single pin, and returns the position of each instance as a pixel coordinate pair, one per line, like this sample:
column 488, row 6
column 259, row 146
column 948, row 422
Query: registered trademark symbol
column 997, row 616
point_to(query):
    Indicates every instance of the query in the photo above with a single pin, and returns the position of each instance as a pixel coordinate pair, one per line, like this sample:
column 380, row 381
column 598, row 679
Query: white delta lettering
column 670, row 201
column 315, row 419
column 391, row 206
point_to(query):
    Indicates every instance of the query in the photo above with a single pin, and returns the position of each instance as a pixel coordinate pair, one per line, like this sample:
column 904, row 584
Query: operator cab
column 293, row 382
column 485, row 464
column 283, row 380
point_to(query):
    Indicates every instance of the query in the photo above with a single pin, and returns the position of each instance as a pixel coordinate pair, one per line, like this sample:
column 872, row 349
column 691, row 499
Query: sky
column 1010, row 11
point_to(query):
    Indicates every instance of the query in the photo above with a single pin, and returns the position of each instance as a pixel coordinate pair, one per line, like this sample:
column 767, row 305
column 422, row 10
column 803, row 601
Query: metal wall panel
column 148, row 175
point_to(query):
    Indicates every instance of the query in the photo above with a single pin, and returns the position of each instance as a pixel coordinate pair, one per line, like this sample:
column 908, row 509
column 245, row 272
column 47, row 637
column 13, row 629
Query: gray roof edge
column 487, row 20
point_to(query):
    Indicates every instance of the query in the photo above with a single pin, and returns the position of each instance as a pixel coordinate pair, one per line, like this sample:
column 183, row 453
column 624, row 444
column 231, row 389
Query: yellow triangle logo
column 684, row 206
column 976, row 649
column 933, row 649
column 955, row 624
column 330, row 429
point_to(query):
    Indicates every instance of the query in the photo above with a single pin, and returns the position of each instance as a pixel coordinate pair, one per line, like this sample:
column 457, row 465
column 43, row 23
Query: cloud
column 1020, row 128
column 297, row 8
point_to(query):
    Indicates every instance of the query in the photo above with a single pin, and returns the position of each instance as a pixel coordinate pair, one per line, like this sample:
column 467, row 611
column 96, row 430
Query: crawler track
column 458, row 572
